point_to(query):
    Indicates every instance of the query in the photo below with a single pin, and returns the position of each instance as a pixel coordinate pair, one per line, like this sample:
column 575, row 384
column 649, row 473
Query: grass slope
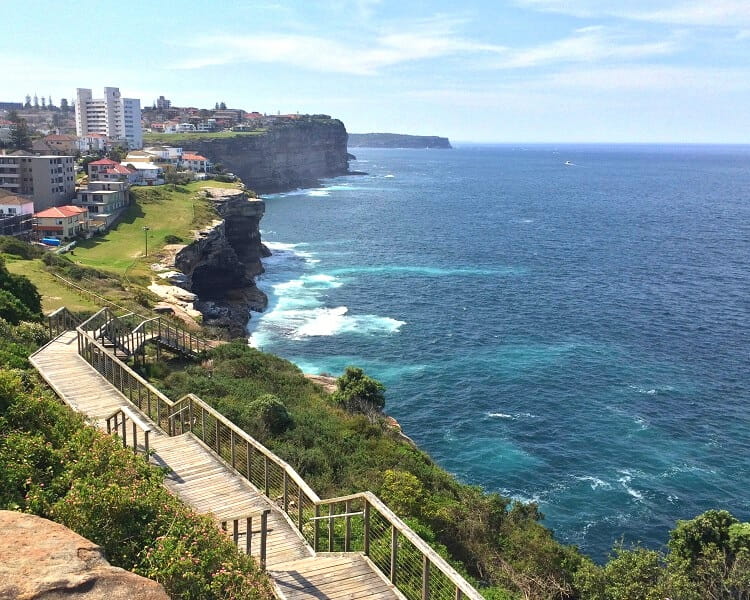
column 181, row 139
column 166, row 210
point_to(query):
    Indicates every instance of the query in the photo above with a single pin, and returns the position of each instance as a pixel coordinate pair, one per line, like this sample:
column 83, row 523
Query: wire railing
column 60, row 321
column 356, row 523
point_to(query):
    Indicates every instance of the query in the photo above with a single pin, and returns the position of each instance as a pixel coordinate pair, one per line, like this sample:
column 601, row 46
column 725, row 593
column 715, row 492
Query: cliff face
column 290, row 154
column 221, row 264
column 397, row 140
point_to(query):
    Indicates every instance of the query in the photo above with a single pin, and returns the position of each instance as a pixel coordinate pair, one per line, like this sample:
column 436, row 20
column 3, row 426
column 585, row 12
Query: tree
column 19, row 299
column 216, row 106
column 20, row 136
column 223, row 106
column 359, row 393
column 117, row 154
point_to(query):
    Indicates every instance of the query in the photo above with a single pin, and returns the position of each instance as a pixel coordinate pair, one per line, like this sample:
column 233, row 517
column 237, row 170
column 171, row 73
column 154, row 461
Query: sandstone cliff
column 40, row 559
column 220, row 265
column 289, row 154
column 397, row 140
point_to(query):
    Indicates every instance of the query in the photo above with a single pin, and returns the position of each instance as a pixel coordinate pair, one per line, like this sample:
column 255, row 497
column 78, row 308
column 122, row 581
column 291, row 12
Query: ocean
column 568, row 325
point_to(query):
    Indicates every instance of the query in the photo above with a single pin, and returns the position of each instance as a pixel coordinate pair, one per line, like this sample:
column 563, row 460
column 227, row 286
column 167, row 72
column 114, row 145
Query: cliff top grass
column 180, row 139
column 167, row 210
column 54, row 292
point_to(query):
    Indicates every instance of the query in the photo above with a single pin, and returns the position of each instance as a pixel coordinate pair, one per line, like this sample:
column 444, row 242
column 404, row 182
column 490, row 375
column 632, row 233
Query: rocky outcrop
column 221, row 264
column 42, row 560
column 397, row 140
column 291, row 153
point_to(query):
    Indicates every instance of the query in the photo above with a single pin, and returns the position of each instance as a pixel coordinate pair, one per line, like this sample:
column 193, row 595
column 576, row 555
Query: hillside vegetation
column 340, row 443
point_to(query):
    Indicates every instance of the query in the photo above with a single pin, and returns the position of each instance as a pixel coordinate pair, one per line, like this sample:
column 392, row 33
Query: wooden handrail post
column 366, row 519
column 459, row 593
column 425, row 578
column 236, row 531
column 394, row 552
column 286, row 494
column 265, row 477
column 316, row 528
column 145, row 443
column 347, row 525
column 248, row 534
column 299, row 507
column 263, row 537
column 231, row 444
column 135, row 438
column 330, row 528
column 124, row 433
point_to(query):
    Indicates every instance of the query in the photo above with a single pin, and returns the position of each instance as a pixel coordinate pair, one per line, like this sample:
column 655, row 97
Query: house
column 16, row 214
column 109, row 170
column 63, row 222
column 138, row 156
column 148, row 173
column 170, row 154
column 56, row 144
column 49, row 180
column 196, row 162
column 104, row 200
column 93, row 142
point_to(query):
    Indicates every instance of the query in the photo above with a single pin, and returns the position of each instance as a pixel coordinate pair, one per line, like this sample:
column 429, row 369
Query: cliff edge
column 221, row 264
column 287, row 154
column 397, row 140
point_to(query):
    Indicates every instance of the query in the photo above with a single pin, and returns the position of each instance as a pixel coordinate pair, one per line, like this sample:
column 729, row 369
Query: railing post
column 348, row 525
column 316, row 528
column 236, row 531
column 216, row 434
column 330, row 528
column 248, row 534
column 124, row 433
column 286, row 494
column 425, row 577
column 203, row 424
column 135, row 438
column 366, row 519
column 459, row 593
column 190, row 413
column 231, row 444
column 248, row 462
column 109, row 428
column 394, row 553
column 263, row 537
column 145, row 443
column 299, row 507
column 265, row 477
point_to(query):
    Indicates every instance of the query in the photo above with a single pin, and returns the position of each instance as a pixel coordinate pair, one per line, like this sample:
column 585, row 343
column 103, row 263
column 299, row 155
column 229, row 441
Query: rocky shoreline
column 214, row 275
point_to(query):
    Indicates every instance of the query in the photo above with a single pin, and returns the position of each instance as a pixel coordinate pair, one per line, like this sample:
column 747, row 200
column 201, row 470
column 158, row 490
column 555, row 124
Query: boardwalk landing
column 206, row 484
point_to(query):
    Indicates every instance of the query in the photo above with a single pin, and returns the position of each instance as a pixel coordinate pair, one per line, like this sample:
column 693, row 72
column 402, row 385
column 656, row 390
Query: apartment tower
column 114, row 116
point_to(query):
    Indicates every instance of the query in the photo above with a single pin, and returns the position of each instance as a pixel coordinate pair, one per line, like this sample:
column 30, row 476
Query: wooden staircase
column 311, row 548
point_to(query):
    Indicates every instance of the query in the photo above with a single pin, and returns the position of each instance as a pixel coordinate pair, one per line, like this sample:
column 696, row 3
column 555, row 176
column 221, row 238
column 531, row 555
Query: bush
column 16, row 247
column 270, row 412
column 172, row 239
column 359, row 393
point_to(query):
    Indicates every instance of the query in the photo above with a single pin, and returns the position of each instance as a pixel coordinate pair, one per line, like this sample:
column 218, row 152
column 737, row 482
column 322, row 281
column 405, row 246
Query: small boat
column 570, row 164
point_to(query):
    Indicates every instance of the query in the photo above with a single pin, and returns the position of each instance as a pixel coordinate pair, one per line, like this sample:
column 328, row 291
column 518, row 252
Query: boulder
column 42, row 560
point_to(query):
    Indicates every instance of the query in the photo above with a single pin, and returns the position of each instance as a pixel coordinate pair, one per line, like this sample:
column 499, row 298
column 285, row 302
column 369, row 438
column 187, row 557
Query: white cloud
column 730, row 13
column 432, row 38
column 588, row 45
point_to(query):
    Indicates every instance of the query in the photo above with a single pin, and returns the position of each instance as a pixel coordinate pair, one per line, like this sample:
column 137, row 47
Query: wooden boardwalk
column 204, row 482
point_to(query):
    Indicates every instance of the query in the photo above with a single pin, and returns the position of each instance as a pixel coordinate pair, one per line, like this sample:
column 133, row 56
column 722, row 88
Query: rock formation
column 221, row 264
column 397, row 140
column 290, row 154
column 42, row 560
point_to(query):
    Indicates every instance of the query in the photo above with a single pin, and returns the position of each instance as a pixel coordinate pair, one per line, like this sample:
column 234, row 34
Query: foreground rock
column 40, row 559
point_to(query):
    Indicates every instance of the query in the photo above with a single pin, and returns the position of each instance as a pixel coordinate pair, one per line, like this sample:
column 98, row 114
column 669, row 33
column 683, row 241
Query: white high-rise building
column 114, row 116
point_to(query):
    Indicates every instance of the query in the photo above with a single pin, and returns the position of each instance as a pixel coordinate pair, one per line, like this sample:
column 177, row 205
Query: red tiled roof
column 60, row 211
column 103, row 162
column 94, row 135
column 193, row 157
column 4, row 122
column 118, row 170
column 60, row 138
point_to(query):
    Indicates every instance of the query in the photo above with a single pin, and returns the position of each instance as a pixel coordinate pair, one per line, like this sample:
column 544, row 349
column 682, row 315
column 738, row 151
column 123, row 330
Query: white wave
column 500, row 416
column 322, row 192
column 625, row 481
column 595, row 482
column 389, row 176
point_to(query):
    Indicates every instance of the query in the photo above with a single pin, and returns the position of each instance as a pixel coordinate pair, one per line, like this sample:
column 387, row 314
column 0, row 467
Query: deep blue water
column 577, row 335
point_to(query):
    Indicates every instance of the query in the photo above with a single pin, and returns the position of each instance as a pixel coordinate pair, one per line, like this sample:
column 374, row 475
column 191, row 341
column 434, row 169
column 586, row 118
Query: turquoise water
column 576, row 335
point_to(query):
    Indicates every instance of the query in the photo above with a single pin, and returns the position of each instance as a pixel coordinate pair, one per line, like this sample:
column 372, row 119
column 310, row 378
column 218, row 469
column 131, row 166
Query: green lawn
column 180, row 139
column 54, row 293
column 165, row 210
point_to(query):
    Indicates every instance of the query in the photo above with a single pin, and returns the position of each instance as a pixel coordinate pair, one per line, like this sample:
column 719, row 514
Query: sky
column 632, row 71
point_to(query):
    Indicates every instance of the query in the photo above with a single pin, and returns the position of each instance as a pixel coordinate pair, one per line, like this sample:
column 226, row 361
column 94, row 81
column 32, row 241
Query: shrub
column 172, row 239
column 16, row 247
column 270, row 411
